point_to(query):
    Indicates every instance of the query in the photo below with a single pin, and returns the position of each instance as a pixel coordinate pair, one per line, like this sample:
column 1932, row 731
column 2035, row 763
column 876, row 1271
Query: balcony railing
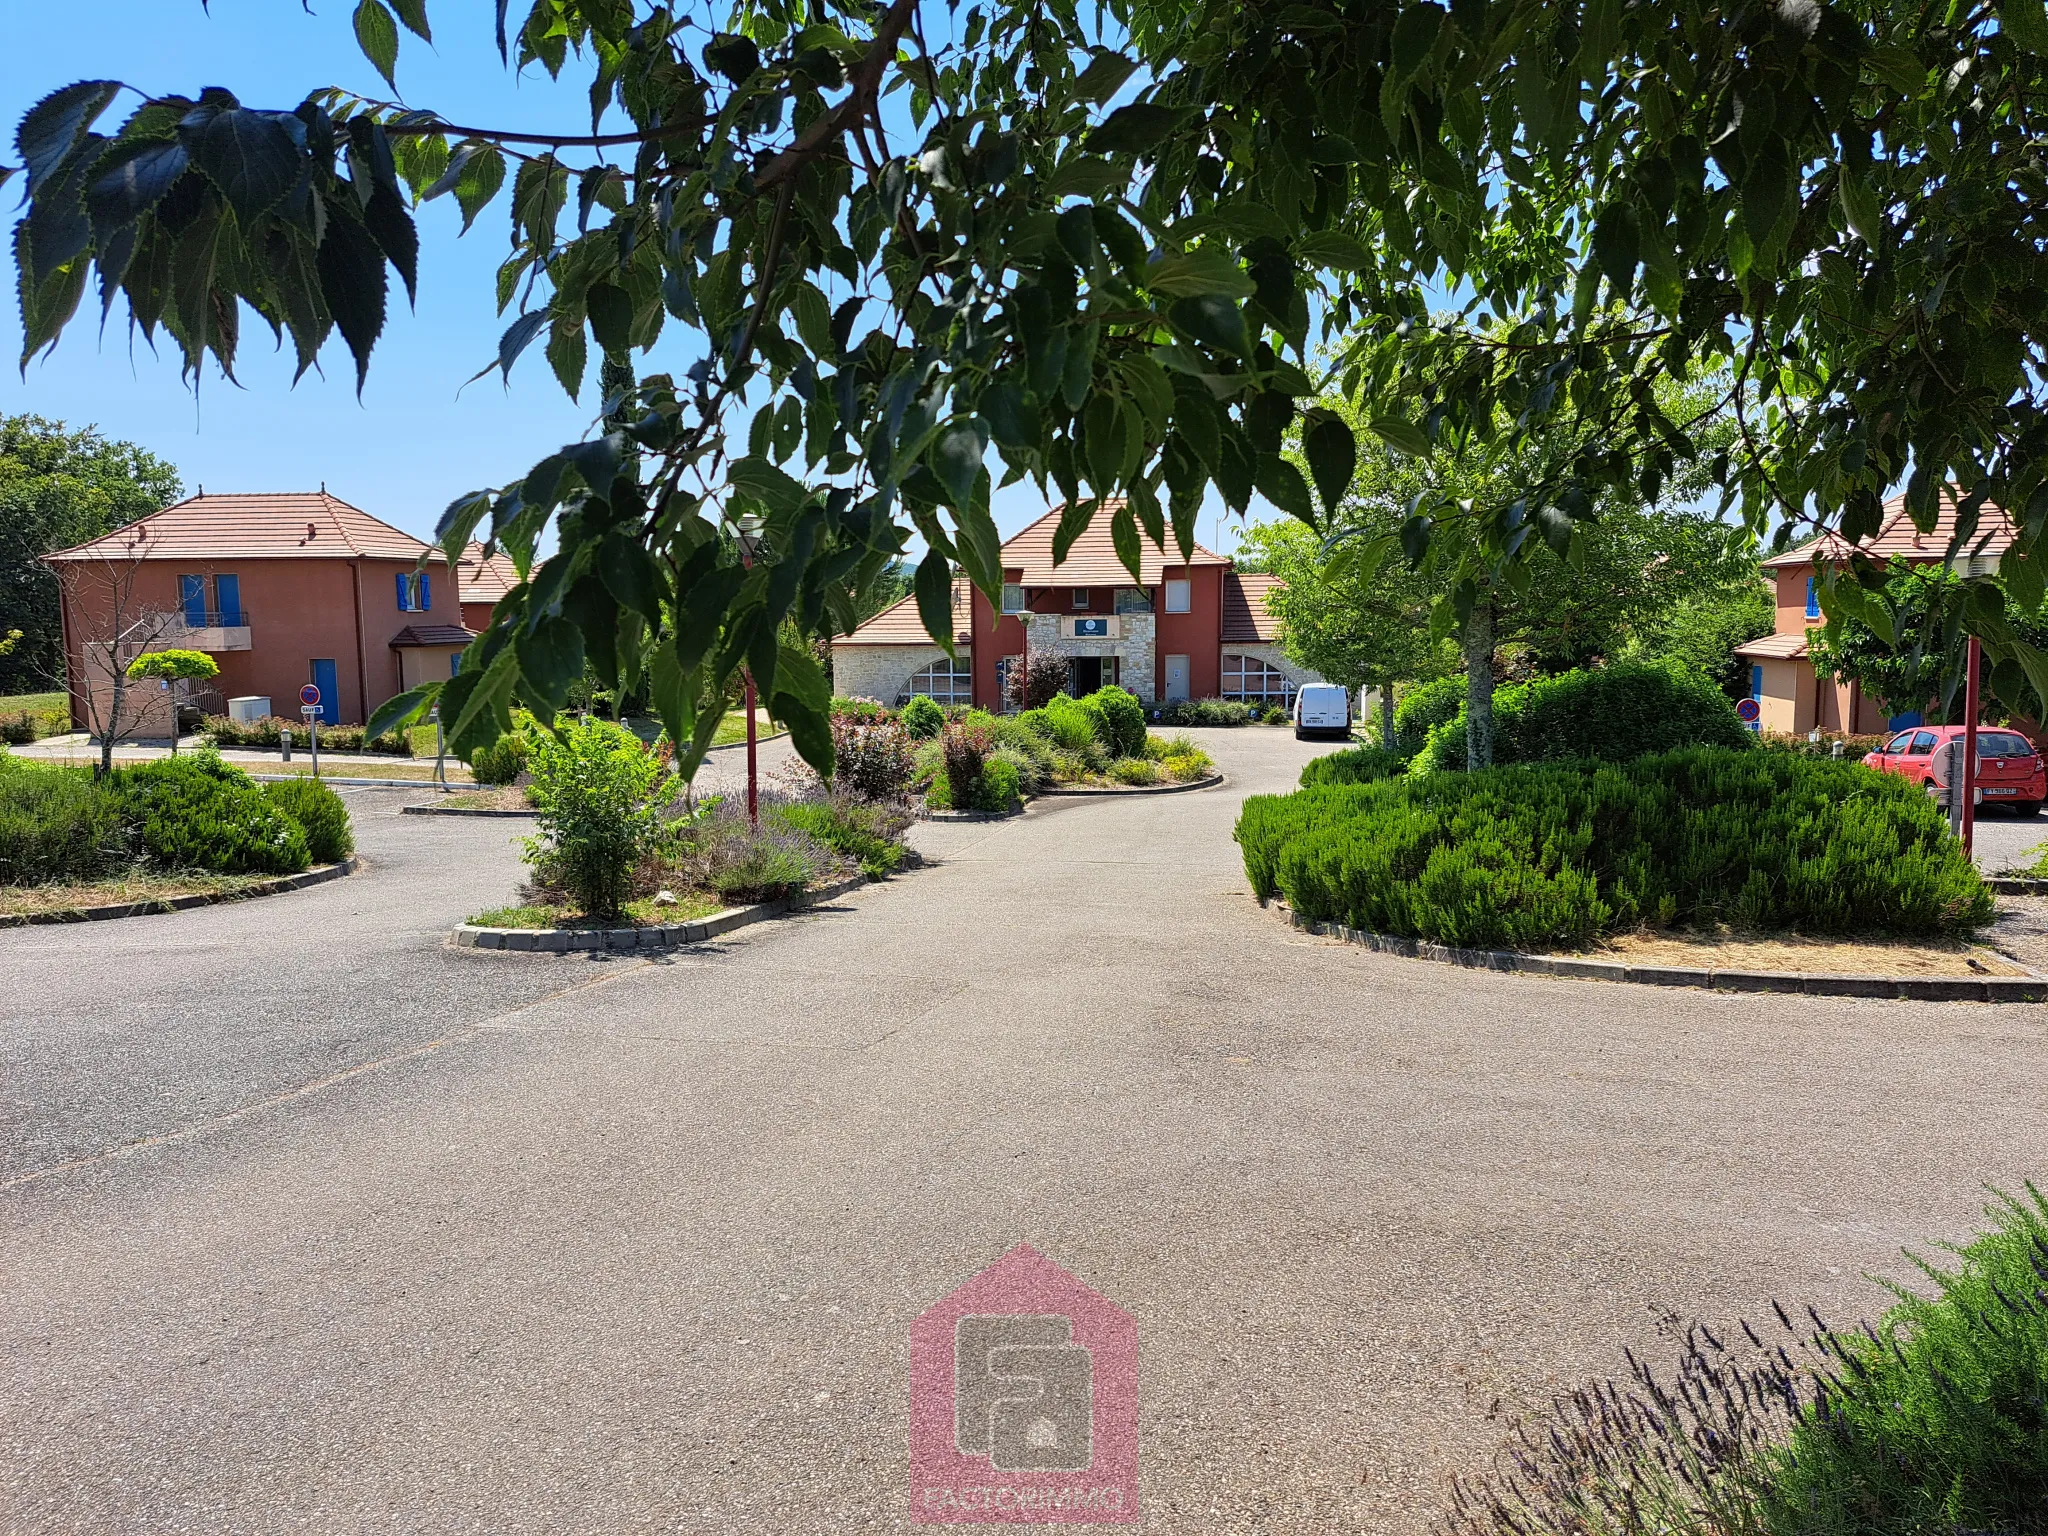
column 214, row 618
column 222, row 630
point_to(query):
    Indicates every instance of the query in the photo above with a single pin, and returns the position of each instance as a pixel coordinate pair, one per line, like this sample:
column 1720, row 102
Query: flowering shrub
column 874, row 757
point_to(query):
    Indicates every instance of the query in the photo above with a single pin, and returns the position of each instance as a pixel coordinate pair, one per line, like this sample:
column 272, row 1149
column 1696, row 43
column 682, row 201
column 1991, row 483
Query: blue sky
column 412, row 443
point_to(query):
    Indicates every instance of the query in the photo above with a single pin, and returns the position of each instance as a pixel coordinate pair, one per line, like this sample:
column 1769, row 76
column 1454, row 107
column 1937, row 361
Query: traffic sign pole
column 309, row 706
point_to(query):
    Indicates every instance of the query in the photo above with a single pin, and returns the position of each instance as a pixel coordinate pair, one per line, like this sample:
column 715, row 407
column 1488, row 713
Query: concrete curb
column 328, row 778
column 1936, row 989
column 1131, row 789
column 923, row 815
column 662, row 936
column 2013, row 885
column 318, row 875
column 458, row 810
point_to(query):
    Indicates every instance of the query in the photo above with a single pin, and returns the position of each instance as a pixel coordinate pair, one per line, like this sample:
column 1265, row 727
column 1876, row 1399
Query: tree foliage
column 58, row 488
column 1105, row 250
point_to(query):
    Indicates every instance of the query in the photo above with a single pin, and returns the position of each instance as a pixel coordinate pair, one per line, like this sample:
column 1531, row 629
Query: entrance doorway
column 1176, row 679
column 1084, row 675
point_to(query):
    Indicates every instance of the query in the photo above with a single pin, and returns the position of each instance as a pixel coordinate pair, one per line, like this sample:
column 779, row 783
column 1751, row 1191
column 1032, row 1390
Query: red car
column 2009, row 770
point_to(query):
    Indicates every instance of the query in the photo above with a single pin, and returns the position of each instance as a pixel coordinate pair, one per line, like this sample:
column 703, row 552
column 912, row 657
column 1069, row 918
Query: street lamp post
column 750, row 537
column 1974, row 653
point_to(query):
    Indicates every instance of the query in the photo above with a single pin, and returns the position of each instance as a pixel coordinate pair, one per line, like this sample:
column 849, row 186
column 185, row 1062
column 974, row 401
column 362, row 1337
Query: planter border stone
column 1940, row 989
column 459, row 810
column 1111, row 790
column 320, row 874
column 559, row 941
column 2016, row 885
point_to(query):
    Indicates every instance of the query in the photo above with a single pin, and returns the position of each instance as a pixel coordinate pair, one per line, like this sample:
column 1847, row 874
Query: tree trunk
column 1387, row 715
column 120, row 681
column 1479, row 688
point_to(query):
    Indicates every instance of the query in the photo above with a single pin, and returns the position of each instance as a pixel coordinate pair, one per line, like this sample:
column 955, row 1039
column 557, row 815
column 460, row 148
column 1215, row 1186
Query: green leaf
column 1281, row 483
column 1204, row 270
column 1011, row 415
column 1859, row 204
column 1085, row 176
column 1135, row 129
column 1333, row 248
column 52, row 128
column 933, row 585
column 1332, row 456
column 550, row 660
column 1075, row 517
column 1123, row 534
column 352, row 285
column 1106, row 435
column 956, row 457
column 568, row 355
column 733, row 56
column 803, row 702
column 481, row 179
column 377, row 36
column 1414, row 35
column 980, row 546
column 1618, row 245
column 775, row 488
column 253, row 157
column 1076, row 231
column 611, row 317
column 631, row 576
column 1104, row 76
column 414, row 14
column 401, row 709
column 814, row 320
column 1404, row 435
column 673, row 693
column 1211, row 318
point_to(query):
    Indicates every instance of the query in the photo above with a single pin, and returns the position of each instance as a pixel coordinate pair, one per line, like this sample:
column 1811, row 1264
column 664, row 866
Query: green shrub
column 598, row 793
column 869, row 834
column 966, row 747
column 1134, row 770
column 1939, row 1423
column 761, row 869
column 1423, row 709
column 1532, row 856
column 1613, row 714
column 1354, row 765
column 874, row 757
column 1207, row 712
column 321, row 812
column 999, row 786
column 1065, row 722
column 922, row 718
column 502, row 761
column 18, row 729
column 200, row 813
column 1275, row 715
column 858, row 708
column 1120, row 721
column 1033, row 772
column 55, row 824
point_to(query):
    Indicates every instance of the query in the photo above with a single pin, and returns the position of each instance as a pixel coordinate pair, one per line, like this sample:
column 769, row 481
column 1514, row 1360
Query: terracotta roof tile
column 433, row 634
column 485, row 579
column 1245, row 616
column 1092, row 562
column 1896, row 535
column 899, row 624
column 308, row 525
column 1774, row 648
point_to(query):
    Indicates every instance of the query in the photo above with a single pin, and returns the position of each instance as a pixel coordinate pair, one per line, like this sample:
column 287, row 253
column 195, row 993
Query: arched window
column 944, row 682
column 1256, row 681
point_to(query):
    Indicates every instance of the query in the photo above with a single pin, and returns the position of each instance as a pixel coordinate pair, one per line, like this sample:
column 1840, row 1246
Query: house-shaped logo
column 1024, row 1402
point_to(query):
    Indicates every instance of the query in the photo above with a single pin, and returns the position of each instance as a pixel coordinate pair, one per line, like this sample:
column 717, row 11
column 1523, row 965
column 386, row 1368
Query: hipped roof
column 899, row 623
column 1092, row 562
column 308, row 525
column 1245, row 617
column 485, row 578
column 1896, row 535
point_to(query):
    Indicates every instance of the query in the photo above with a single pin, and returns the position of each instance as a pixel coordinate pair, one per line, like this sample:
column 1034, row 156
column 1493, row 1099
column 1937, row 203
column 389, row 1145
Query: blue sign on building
column 1096, row 627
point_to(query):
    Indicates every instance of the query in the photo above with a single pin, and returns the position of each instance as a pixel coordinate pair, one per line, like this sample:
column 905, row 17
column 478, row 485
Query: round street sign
column 1747, row 710
column 310, row 694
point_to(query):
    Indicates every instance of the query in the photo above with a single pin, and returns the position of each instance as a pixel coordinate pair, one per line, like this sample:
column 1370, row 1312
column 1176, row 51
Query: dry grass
column 136, row 885
column 1729, row 951
column 504, row 798
column 645, row 913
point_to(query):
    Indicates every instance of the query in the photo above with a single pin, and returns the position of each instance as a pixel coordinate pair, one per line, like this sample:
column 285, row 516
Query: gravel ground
column 320, row 1226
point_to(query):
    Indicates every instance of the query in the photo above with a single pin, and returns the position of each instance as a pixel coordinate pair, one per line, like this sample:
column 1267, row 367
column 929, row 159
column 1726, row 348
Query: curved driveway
column 317, row 1225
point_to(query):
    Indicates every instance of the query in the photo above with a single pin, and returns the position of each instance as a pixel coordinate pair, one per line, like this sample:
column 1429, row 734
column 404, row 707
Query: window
column 1133, row 600
column 1013, row 597
column 1923, row 743
column 455, row 664
column 1756, row 681
column 2002, row 744
column 192, row 599
column 1900, row 742
column 1812, row 600
column 1180, row 596
column 1080, row 598
column 1255, row 681
column 415, row 592
column 943, row 682
column 1003, row 665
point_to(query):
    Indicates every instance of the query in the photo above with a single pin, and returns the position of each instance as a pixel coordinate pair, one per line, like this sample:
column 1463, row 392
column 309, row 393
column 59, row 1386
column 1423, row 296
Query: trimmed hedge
column 1210, row 712
column 1354, row 765
column 1421, row 711
column 198, row 812
column 55, row 824
column 1535, row 856
column 1613, row 714
column 922, row 718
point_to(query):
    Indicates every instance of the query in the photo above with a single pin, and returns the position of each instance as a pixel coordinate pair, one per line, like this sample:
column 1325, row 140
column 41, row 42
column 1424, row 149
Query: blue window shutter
column 1756, row 681
column 192, row 598
column 403, row 605
column 455, row 665
column 426, row 590
column 1812, row 600
column 227, row 597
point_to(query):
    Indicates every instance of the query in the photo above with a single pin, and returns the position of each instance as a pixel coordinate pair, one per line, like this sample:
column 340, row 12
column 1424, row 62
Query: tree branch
column 866, row 80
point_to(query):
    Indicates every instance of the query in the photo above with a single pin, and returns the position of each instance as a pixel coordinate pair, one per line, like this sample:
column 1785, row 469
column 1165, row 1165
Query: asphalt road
column 317, row 1225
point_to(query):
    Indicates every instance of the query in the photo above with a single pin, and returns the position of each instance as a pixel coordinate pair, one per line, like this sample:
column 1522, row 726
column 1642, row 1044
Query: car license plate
column 2001, row 791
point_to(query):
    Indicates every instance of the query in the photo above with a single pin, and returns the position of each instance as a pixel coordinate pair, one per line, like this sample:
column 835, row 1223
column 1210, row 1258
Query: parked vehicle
column 1322, row 709
column 2009, row 770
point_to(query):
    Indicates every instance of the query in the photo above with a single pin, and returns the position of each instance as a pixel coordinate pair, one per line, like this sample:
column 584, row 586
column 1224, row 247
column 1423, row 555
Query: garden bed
column 1208, row 781
column 504, row 800
column 142, row 894
column 585, row 934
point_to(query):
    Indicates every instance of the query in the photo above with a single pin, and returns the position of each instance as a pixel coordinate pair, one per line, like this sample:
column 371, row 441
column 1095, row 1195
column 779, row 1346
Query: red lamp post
column 750, row 535
column 1975, row 654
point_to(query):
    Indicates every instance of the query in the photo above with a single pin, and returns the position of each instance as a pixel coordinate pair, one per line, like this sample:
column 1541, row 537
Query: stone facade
column 1135, row 646
column 881, row 672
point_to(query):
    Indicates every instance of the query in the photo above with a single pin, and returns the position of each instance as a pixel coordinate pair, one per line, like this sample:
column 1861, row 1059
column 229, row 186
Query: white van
column 1322, row 709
